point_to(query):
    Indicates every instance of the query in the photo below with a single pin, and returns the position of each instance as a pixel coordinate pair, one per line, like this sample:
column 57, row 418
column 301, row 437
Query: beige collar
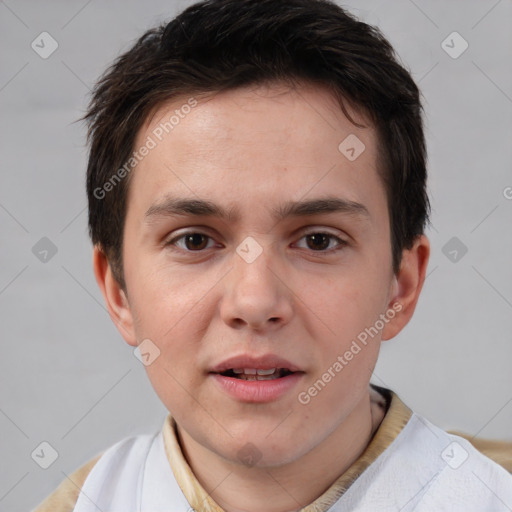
column 395, row 419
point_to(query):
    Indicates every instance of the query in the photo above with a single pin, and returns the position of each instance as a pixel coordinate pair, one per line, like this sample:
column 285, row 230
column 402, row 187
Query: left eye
column 320, row 242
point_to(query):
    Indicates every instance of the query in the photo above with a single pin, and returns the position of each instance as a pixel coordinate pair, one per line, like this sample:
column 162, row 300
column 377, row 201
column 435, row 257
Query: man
column 257, row 202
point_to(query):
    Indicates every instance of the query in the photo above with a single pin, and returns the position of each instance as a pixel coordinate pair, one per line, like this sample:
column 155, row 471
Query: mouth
column 256, row 373
column 257, row 385
column 256, row 379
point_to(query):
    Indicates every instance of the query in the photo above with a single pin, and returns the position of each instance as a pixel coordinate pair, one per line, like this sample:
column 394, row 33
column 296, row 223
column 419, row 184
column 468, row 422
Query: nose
column 255, row 294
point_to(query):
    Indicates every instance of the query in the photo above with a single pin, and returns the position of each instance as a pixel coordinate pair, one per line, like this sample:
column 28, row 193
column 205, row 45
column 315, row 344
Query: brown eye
column 196, row 241
column 318, row 241
column 192, row 241
column 322, row 242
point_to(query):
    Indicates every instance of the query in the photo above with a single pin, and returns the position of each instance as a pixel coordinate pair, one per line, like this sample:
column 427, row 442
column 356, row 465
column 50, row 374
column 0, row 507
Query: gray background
column 67, row 376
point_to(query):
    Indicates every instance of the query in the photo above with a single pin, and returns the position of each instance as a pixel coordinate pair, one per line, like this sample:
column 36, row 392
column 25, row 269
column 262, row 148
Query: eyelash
column 341, row 243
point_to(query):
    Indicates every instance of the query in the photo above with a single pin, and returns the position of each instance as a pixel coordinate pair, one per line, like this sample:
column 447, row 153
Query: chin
column 260, row 451
column 251, row 455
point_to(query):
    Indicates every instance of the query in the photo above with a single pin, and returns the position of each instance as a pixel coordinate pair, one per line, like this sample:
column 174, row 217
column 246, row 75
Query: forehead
column 255, row 144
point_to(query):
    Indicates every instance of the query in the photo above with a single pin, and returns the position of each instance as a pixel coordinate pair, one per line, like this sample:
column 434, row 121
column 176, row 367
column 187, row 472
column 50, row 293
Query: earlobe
column 407, row 286
column 115, row 298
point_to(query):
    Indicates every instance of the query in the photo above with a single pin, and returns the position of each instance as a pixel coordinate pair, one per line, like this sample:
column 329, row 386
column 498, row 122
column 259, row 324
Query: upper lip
column 265, row 362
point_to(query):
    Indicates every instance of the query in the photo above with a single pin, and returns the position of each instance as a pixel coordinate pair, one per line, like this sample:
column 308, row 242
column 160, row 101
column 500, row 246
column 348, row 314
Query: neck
column 290, row 486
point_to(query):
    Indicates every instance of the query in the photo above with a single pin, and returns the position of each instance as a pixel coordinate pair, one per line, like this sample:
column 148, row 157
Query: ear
column 407, row 285
column 115, row 297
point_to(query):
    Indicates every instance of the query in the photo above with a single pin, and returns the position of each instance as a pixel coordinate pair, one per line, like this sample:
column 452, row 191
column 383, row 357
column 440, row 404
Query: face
column 250, row 234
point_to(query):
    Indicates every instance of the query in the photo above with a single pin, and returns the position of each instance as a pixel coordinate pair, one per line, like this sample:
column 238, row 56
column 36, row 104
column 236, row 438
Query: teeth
column 257, row 374
column 266, row 372
column 254, row 371
column 244, row 376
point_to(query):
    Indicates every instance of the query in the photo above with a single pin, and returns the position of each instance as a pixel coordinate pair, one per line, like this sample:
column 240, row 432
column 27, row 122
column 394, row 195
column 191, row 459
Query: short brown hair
column 218, row 45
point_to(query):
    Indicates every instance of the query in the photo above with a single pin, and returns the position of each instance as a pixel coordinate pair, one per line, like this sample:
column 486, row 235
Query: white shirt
column 423, row 470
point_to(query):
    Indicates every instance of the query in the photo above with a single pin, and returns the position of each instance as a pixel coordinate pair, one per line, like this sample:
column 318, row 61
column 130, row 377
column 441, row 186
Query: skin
column 251, row 150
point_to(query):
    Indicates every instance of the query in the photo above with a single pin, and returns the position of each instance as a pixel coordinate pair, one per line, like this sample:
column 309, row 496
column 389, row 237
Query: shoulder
column 499, row 451
column 460, row 474
column 64, row 498
column 425, row 469
column 114, row 461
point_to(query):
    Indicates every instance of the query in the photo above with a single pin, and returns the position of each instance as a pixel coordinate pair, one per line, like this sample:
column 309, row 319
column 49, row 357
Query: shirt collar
column 396, row 417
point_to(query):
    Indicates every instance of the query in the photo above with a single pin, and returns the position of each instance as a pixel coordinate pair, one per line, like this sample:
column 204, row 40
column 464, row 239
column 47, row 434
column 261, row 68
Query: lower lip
column 257, row 390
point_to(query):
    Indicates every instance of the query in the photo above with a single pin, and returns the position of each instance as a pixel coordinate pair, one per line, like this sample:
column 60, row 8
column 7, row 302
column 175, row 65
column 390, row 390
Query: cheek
column 166, row 300
column 173, row 374
column 348, row 305
column 349, row 310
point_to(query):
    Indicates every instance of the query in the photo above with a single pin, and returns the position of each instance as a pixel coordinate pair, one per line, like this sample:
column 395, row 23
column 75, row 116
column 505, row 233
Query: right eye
column 191, row 241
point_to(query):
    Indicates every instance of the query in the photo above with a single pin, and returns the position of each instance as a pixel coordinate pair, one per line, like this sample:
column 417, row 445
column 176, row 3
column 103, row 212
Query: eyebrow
column 173, row 206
